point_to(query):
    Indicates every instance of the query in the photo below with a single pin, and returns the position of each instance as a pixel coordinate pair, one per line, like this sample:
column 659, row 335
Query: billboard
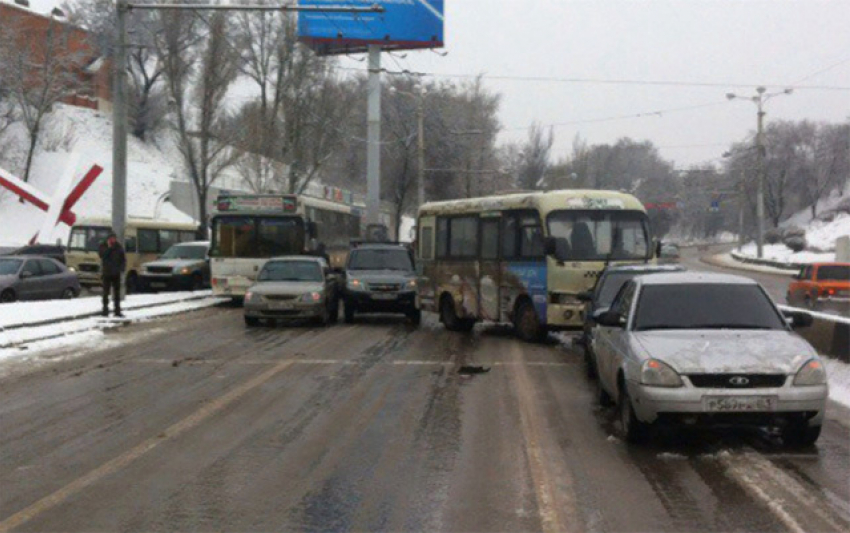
column 403, row 25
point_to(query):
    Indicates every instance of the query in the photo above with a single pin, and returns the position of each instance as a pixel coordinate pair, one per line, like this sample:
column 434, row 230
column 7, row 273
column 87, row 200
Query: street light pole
column 420, row 119
column 119, row 125
column 760, row 99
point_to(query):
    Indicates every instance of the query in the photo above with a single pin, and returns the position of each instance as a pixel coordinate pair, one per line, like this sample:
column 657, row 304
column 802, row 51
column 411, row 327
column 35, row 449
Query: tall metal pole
column 373, row 134
column 119, row 125
column 420, row 118
column 741, row 213
column 761, row 170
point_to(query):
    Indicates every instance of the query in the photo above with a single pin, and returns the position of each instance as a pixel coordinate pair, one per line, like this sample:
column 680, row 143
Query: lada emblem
column 739, row 381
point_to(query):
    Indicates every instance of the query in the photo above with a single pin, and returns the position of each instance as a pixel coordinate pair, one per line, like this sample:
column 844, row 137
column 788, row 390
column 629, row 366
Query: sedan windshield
column 834, row 273
column 9, row 267
column 291, row 271
column 380, row 260
column 705, row 306
column 599, row 235
column 186, row 251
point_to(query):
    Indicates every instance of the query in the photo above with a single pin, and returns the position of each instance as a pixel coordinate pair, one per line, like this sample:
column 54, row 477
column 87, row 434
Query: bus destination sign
column 252, row 203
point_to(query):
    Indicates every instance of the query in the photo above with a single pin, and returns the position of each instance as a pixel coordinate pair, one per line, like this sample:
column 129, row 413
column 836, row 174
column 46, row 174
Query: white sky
column 737, row 44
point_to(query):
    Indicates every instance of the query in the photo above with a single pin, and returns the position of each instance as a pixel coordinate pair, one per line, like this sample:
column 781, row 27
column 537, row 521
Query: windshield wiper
column 729, row 326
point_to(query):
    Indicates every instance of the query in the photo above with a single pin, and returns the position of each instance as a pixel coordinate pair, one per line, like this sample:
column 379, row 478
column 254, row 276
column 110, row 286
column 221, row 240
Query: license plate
column 158, row 285
column 383, row 296
column 738, row 404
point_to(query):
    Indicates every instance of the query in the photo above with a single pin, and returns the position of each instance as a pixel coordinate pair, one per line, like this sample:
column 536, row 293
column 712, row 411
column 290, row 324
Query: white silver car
column 707, row 349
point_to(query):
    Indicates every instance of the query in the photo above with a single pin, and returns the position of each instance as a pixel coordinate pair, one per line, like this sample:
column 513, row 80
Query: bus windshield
column 585, row 235
column 257, row 236
column 88, row 238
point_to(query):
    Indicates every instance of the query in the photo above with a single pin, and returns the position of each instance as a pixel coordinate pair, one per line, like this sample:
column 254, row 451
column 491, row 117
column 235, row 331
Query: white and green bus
column 523, row 258
column 248, row 229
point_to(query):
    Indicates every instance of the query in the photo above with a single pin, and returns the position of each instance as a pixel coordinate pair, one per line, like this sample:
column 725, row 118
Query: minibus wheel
column 449, row 317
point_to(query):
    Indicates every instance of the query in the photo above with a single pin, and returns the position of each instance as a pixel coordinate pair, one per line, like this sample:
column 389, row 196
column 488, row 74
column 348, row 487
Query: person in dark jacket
column 113, row 263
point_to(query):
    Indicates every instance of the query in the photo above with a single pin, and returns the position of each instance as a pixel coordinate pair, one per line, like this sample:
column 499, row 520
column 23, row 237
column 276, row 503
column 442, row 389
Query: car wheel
column 589, row 364
column 197, row 282
column 527, row 325
column 348, row 310
column 7, row 296
column 449, row 317
column 634, row 430
column 69, row 293
column 415, row 316
column 801, row 435
column 252, row 321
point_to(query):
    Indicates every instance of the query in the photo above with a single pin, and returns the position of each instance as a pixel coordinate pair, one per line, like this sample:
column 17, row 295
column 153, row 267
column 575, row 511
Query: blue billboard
column 404, row 24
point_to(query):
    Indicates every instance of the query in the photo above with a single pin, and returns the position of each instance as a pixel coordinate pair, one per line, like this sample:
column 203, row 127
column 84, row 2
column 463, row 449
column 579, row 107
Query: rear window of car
column 834, row 273
column 380, row 260
column 705, row 306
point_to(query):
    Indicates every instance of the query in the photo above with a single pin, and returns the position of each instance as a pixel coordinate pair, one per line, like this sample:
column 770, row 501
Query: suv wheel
column 348, row 309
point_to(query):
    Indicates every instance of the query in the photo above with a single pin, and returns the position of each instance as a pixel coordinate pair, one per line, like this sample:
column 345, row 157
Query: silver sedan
column 707, row 349
column 35, row 278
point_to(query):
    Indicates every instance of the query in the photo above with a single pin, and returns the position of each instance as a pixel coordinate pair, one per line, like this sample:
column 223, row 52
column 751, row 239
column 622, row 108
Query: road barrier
column 829, row 334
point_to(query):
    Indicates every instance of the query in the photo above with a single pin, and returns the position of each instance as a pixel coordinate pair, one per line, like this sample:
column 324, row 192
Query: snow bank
column 780, row 253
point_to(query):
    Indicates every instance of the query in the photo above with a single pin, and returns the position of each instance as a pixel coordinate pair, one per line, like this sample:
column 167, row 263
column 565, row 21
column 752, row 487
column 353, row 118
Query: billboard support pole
column 373, row 155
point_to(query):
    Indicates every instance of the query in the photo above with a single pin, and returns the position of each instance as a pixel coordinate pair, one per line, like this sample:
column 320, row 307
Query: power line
column 825, row 69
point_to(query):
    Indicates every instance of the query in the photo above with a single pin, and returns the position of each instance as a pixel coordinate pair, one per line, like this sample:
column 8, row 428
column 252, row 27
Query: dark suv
column 380, row 278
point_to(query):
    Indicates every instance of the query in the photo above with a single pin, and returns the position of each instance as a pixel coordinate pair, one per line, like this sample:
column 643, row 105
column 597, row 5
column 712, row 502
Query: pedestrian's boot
column 105, row 312
column 118, row 314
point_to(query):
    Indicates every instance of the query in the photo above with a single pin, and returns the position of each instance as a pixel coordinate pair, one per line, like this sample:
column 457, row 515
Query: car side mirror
column 550, row 246
column 611, row 319
column 584, row 296
column 798, row 319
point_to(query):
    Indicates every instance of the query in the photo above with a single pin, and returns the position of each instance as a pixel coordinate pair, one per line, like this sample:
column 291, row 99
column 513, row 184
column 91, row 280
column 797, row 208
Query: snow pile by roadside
column 839, row 380
column 779, row 253
column 26, row 323
column 822, row 235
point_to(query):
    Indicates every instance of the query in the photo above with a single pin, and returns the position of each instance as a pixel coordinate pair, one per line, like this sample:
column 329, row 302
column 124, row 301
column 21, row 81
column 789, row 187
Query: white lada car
column 707, row 349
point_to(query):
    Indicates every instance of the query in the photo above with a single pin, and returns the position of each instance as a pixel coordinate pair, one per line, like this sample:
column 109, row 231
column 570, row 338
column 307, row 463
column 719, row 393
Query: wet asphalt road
column 199, row 424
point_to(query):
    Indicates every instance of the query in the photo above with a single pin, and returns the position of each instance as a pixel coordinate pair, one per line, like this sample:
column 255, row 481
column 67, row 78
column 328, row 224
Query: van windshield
column 257, row 236
column 88, row 238
column 588, row 235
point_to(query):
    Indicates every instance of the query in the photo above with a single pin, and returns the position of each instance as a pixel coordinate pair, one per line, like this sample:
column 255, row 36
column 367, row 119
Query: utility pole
column 741, row 213
column 119, row 125
column 373, row 135
column 420, row 119
column 759, row 99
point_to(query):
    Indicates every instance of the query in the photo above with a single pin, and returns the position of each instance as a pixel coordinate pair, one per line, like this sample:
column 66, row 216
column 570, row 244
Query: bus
column 522, row 258
column 144, row 240
column 248, row 229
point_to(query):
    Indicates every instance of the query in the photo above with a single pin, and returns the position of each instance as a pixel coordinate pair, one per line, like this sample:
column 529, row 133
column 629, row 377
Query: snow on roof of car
column 676, row 278
column 645, row 268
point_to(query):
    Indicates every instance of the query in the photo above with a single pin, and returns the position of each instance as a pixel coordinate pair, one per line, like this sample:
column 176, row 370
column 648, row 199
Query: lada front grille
column 737, row 381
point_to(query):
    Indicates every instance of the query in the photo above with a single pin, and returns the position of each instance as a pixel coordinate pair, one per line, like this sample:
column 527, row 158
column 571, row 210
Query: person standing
column 113, row 262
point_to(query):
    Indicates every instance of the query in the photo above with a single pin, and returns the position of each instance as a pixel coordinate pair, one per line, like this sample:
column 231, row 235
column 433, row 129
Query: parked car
column 707, row 349
column 607, row 286
column 183, row 266
column 53, row 251
column 820, row 283
column 35, row 278
column 380, row 278
column 293, row 287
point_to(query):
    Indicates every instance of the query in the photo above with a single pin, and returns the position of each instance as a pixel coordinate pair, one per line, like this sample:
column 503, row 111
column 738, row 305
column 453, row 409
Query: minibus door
column 490, row 272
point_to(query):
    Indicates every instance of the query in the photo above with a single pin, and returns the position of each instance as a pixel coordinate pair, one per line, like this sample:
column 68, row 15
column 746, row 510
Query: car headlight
column 311, row 297
column 411, row 284
column 659, row 374
column 355, row 284
column 812, row 373
column 252, row 296
column 72, row 269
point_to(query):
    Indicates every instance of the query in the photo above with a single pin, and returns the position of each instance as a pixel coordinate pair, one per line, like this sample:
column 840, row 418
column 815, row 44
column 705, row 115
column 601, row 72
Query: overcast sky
column 735, row 44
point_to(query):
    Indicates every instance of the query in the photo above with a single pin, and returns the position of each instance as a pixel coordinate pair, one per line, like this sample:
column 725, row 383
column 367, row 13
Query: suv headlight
column 184, row 270
column 411, row 284
column 311, row 297
column 659, row 374
column 811, row 373
column 355, row 284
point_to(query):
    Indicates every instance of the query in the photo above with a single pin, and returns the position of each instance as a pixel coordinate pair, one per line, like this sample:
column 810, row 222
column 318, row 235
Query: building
column 37, row 36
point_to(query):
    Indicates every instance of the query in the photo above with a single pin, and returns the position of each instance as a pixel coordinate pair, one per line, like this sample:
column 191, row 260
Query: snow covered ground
column 780, row 253
column 29, row 327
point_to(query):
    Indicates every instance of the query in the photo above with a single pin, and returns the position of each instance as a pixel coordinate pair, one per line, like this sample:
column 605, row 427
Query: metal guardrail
column 829, row 334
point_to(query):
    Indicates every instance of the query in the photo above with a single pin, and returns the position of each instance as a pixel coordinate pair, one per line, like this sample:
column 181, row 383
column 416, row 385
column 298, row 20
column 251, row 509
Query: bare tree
column 535, row 158
column 198, row 95
column 39, row 69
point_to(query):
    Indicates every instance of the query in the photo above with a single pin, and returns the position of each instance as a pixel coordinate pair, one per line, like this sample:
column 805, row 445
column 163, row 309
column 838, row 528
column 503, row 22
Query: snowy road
column 201, row 424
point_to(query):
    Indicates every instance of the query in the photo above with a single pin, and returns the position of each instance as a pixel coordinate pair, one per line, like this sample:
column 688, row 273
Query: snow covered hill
column 88, row 133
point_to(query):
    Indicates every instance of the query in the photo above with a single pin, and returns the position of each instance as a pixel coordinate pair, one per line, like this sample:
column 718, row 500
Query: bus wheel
column 527, row 325
column 449, row 317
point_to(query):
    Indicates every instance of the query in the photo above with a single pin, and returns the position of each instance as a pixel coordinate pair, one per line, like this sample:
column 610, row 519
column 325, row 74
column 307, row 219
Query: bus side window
column 167, row 238
column 130, row 244
column 463, row 237
column 531, row 237
column 442, row 237
column 509, row 234
column 426, row 244
column 148, row 241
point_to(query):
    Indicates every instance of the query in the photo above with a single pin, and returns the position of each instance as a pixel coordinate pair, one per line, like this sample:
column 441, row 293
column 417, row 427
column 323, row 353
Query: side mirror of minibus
column 550, row 246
